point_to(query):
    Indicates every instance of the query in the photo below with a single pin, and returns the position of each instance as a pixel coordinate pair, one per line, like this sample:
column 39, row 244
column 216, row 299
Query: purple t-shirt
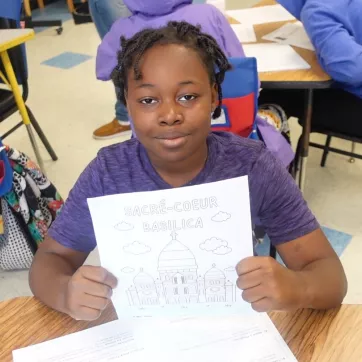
column 276, row 201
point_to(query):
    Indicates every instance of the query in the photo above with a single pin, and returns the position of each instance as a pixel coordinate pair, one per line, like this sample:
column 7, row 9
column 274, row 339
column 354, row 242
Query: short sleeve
column 278, row 202
column 73, row 227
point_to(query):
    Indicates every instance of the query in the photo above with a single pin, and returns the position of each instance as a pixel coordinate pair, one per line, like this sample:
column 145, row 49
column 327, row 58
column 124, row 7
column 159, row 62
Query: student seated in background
column 335, row 29
column 156, row 13
column 170, row 79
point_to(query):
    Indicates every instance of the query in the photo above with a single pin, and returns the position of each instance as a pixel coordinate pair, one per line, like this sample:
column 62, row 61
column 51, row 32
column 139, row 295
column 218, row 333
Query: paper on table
column 250, row 338
column 174, row 251
column 108, row 342
column 275, row 57
column 292, row 34
column 261, row 15
column 244, row 32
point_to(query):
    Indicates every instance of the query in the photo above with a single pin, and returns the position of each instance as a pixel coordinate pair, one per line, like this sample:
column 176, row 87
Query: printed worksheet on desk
column 174, row 251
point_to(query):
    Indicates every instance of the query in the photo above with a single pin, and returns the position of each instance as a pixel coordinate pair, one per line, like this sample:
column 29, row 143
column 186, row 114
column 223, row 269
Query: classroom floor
column 70, row 103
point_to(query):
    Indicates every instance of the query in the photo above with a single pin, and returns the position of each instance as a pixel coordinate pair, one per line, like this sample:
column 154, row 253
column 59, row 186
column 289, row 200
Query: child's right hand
column 89, row 291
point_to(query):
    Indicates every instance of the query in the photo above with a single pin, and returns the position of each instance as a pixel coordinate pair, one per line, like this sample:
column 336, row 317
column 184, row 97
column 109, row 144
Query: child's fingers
column 99, row 274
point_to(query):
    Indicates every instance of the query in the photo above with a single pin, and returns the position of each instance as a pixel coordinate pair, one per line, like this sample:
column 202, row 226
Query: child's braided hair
column 182, row 33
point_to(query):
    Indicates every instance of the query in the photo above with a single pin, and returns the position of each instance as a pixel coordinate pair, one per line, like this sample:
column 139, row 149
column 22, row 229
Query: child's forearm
column 48, row 279
column 325, row 284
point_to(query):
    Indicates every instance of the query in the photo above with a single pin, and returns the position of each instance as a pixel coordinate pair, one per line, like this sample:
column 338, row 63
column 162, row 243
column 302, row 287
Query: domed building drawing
column 179, row 282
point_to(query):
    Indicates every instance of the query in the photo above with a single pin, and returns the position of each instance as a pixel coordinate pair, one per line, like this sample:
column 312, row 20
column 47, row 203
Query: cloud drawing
column 123, row 226
column 221, row 216
column 127, row 270
column 212, row 244
column 136, row 248
column 222, row 250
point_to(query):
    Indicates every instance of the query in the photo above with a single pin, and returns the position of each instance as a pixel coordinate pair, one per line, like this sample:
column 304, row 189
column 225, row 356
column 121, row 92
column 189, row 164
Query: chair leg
column 326, row 151
column 41, row 135
column 353, row 150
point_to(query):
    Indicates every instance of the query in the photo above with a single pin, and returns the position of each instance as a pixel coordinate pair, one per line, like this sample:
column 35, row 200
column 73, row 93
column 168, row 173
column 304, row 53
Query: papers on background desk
column 174, row 251
column 244, row 32
column 261, row 15
column 275, row 57
column 292, row 34
column 247, row 338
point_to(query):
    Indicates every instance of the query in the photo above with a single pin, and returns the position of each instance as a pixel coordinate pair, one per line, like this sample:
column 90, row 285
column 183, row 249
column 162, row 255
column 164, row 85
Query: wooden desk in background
column 333, row 336
column 308, row 79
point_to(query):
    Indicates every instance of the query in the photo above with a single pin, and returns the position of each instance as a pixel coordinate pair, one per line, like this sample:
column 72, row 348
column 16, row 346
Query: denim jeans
column 104, row 14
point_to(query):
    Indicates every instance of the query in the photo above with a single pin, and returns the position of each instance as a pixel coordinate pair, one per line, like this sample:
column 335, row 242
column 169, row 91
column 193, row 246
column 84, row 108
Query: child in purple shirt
column 170, row 80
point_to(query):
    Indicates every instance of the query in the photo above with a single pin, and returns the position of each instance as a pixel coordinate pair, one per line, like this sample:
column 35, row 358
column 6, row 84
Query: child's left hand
column 268, row 285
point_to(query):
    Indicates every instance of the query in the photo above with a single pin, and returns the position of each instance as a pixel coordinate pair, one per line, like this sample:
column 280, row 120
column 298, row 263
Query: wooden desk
column 333, row 336
column 308, row 79
column 315, row 76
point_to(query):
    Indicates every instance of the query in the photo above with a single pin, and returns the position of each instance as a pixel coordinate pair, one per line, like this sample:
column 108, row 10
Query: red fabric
column 240, row 114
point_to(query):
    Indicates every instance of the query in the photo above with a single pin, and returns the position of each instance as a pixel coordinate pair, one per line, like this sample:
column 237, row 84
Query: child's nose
column 170, row 114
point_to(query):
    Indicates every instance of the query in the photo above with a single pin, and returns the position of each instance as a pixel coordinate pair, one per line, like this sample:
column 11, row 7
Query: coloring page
column 174, row 251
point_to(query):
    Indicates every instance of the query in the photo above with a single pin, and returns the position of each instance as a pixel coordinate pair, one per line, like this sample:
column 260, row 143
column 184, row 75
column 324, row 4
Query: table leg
column 305, row 138
column 21, row 105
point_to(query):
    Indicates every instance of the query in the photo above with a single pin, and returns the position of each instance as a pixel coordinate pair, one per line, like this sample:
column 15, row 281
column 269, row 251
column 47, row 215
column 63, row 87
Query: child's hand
column 268, row 285
column 88, row 292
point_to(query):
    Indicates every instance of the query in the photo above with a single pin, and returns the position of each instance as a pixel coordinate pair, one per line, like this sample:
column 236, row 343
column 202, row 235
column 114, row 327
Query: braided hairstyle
column 183, row 33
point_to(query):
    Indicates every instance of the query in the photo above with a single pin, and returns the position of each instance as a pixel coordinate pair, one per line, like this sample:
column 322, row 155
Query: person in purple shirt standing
column 154, row 14
column 170, row 79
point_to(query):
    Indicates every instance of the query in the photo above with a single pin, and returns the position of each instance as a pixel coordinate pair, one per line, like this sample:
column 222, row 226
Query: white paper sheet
column 275, row 57
column 261, row 15
column 244, row 32
column 174, row 251
column 108, row 342
column 292, row 34
column 247, row 338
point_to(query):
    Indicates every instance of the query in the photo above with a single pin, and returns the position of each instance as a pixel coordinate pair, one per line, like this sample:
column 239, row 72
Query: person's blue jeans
column 104, row 14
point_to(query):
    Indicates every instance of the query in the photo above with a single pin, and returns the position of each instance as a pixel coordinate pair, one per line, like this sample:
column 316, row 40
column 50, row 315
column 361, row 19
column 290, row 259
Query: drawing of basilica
column 178, row 281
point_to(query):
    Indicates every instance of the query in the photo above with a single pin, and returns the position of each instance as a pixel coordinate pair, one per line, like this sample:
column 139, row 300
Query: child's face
column 171, row 105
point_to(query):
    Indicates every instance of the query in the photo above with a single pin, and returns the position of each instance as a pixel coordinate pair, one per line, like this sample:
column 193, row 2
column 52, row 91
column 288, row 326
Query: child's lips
column 173, row 140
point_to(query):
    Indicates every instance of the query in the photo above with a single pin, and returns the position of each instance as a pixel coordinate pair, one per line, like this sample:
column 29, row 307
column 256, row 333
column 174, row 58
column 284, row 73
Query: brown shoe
column 111, row 130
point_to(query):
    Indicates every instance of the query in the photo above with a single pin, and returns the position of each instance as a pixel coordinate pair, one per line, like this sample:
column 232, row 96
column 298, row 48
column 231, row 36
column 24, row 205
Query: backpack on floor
column 29, row 204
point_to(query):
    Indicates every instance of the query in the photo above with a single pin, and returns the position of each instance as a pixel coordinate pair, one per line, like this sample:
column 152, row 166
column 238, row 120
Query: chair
column 30, row 23
column 340, row 122
column 7, row 101
column 240, row 104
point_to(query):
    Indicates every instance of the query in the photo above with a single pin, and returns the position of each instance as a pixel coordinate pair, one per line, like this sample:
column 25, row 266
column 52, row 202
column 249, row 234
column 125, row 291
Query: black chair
column 342, row 119
column 8, row 105
column 30, row 23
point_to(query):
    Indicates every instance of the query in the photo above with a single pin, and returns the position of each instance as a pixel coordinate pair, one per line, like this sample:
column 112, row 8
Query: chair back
column 240, row 98
column 10, row 9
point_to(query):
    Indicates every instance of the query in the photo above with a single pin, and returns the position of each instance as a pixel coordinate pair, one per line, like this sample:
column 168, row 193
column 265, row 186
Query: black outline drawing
column 136, row 244
column 230, row 269
column 216, row 246
column 221, row 216
column 123, row 226
column 179, row 282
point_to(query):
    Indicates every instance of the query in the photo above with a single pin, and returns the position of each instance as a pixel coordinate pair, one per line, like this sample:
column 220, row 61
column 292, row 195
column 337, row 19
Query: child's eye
column 148, row 101
column 187, row 98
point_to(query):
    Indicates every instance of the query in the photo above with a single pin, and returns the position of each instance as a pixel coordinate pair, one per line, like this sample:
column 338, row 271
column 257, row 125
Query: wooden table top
column 10, row 38
column 313, row 336
column 314, row 77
